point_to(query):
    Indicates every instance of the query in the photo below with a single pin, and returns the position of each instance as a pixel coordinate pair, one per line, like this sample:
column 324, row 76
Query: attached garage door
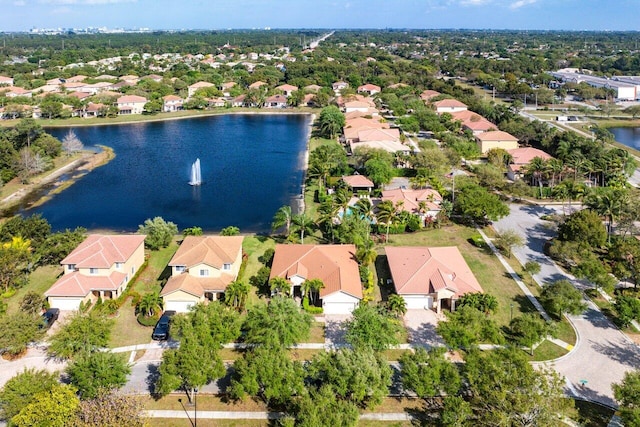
column 418, row 302
column 65, row 303
column 339, row 307
column 178, row 306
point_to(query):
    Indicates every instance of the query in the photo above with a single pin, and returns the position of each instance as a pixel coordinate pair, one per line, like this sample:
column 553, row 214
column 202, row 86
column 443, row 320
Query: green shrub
column 147, row 321
column 312, row 309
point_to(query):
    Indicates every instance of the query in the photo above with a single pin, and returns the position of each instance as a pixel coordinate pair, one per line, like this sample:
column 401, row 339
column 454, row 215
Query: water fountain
column 196, row 177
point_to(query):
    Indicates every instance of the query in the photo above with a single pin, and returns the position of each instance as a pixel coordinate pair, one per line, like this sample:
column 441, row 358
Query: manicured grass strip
column 40, row 280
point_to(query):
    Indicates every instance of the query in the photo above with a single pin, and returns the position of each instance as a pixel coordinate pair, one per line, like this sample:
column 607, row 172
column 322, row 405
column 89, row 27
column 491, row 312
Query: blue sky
column 21, row 15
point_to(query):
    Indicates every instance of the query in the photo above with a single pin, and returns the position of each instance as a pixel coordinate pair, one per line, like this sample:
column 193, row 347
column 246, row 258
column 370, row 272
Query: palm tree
column 236, row 294
column 396, row 305
column 302, row 224
column 282, row 218
column 555, row 168
column 327, row 214
column 364, row 209
column 311, row 287
column 536, row 168
column 387, row 213
column 149, row 304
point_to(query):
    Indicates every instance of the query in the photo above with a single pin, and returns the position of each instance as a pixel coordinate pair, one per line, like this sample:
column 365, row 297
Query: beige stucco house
column 496, row 139
column 100, row 267
column 201, row 270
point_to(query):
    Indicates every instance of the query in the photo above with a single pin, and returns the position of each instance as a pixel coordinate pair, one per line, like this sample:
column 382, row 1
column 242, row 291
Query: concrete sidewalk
column 263, row 415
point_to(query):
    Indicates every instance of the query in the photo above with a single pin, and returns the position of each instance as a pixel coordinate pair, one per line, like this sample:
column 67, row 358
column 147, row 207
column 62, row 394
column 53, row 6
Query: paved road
column 602, row 353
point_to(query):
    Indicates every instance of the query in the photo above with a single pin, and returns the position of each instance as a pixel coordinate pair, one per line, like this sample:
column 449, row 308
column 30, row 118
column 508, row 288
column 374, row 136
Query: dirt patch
column 11, row 357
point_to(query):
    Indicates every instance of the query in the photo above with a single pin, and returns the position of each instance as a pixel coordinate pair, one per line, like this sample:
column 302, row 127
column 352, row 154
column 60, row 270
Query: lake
column 251, row 165
column 629, row 136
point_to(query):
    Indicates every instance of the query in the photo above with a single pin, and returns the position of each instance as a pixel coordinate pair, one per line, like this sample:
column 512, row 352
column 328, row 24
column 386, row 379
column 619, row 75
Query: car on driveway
column 161, row 330
column 49, row 317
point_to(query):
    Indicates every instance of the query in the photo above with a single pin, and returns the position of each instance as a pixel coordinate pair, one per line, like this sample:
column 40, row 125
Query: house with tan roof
column 94, row 110
column 473, row 122
column 287, row 89
column 131, row 104
column 172, row 103
column 100, row 267
column 199, row 85
column 313, row 88
column 449, row 106
column 424, row 203
column 428, row 94
column 258, row 85
column 6, row 81
column 201, row 270
column 16, row 91
column 520, row 159
column 369, row 89
column 334, row 265
column 358, row 183
column 353, row 126
column 275, row 101
column 131, row 79
column 430, row 278
column 338, row 86
column 496, row 139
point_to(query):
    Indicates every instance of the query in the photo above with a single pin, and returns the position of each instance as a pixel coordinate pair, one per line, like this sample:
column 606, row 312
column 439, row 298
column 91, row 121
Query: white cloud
column 474, row 2
column 520, row 3
column 19, row 3
column 85, row 2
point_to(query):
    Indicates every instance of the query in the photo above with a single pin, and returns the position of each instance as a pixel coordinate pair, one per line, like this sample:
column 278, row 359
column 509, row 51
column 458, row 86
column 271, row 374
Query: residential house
column 239, row 101
column 276, row 101
column 80, row 95
column 217, row 102
column 422, row 202
column 171, row 103
column 369, row 89
column 201, row 270
column 131, row 104
column 449, row 106
column 312, row 88
column 384, row 139
column 427, row 95
column 287, row 89
column 358, row 183
column 338, row 86
column 334, row 265
column 431, row 278
column 199, row 85
column 100, row 267
column 257, row 85
column 15, row 91
column 93, row 110
column 6, row 81
column 520, row 159
column 130, row 79
column 473, row 122
column 354, row 126
column 496, row 139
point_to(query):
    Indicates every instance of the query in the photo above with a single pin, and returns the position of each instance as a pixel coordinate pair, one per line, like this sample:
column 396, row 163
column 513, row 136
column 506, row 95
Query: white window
column 180, row 268
column 226, row 267
column 119, row 265
column 71, row 267
column 204, row 272
column 93, row 270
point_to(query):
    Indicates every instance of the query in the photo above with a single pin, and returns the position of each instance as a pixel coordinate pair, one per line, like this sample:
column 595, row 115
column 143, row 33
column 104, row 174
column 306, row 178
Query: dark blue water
column 627, row 136
column 251, row 165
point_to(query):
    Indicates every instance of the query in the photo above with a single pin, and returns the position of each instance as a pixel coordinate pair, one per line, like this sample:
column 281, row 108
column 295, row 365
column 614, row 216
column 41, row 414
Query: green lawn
column 127, row 330
column 485, row 266
column 39, row 281
column 547, row 351
column 153, row 277
column 317, row 333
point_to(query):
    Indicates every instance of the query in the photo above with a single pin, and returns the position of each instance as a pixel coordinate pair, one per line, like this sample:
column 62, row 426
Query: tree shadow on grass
column 384, row 277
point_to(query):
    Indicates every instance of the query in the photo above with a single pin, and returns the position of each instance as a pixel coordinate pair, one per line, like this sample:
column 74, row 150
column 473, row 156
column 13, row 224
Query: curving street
column 602, row 353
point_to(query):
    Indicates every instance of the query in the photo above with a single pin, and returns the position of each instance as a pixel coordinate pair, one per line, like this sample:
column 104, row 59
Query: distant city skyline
column 591, row 15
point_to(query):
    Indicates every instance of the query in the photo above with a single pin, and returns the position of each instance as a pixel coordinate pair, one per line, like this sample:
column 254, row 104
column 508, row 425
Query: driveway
column 602, row 353
column 421, row 326
column 334, row 330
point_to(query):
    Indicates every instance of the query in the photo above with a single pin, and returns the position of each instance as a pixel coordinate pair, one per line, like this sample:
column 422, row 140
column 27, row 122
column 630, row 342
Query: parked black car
column 161, row 330
column 49, row 317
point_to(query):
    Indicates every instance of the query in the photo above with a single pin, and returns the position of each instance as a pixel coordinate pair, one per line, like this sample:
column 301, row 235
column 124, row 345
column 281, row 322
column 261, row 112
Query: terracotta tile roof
column 428, row 94
column 80, row 285
column 210, row 250
column 196, row 286
column 277, row 99
column 313, row 88
column 131, row 98
column 524, row 155
column 357, row 181
column 449, row 103
column 172, row 98
column 389, row 146
column 411, row 199
column 379, row 135
column 199, row 85
column 496, row 135
column 354, row 126
column 287, row 88
column 335, row 265
column 421, row 270
column 368, row 88
column 102, row 251
column 256, row 85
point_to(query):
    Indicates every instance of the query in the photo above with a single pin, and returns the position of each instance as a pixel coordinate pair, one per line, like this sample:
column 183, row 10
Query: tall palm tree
column 282, row 218
column 149, row 304
column 236, row 294
column 555, row 167
column 302, row 224
column 327, row 216
column 536, row 169
column 364, row 209
column 396, row 305
column 387, row 213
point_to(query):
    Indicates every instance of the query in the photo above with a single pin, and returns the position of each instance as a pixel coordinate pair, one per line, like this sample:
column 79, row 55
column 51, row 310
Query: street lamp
column 511, row 317
column 195, row 407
